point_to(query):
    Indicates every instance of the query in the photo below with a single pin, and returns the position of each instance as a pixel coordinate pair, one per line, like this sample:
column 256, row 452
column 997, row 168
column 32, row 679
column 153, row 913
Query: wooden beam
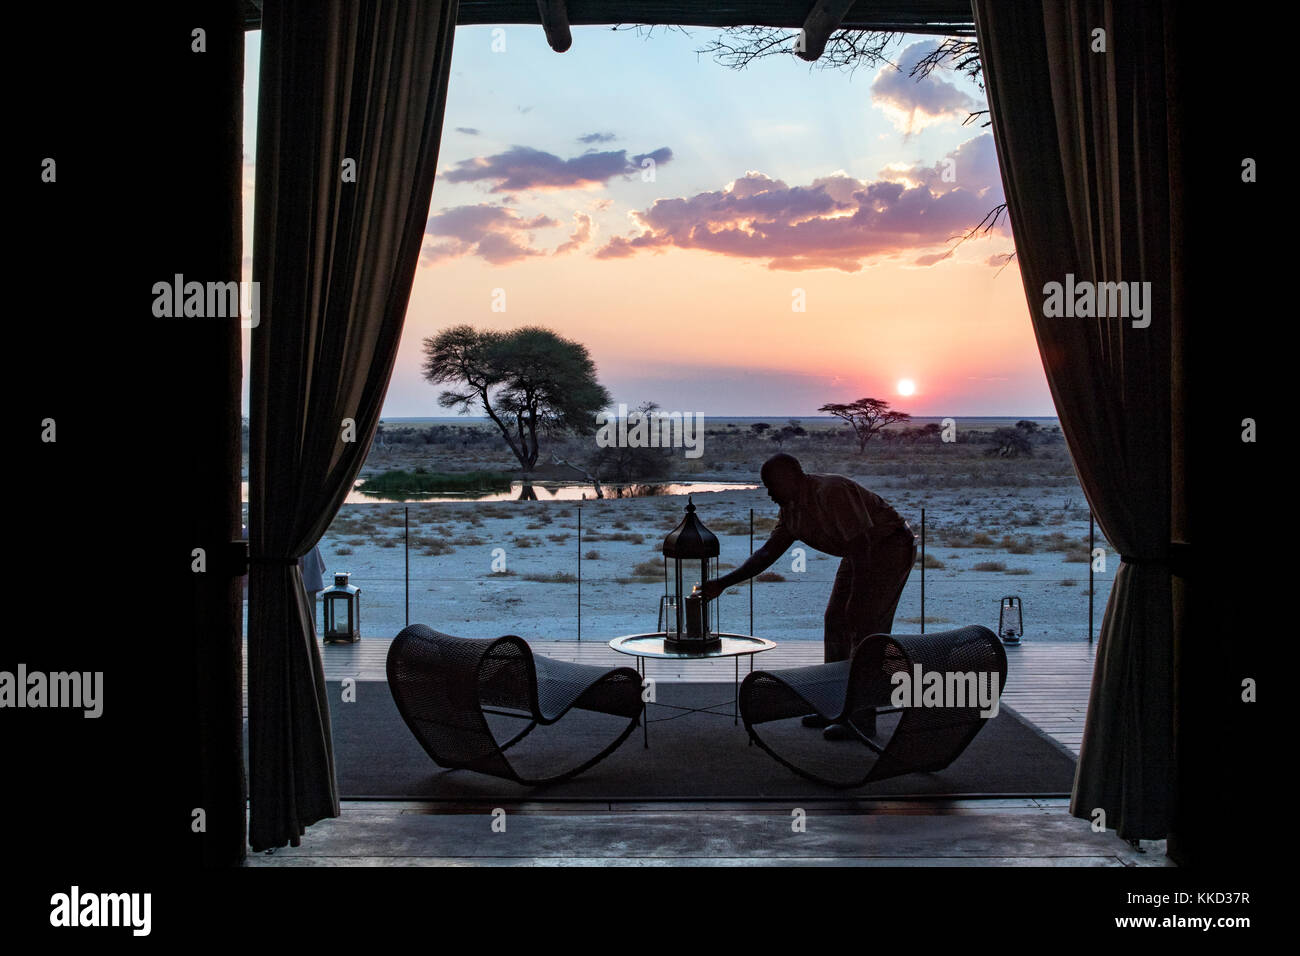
column 934, row 17
column 555, row 21
column 823, row 19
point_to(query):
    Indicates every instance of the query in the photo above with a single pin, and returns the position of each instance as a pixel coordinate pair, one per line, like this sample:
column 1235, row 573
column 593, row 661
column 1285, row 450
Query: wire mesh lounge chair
column 446, row 686
column 853, row 692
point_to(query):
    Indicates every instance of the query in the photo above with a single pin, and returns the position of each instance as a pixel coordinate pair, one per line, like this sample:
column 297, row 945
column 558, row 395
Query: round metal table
column 735, row 646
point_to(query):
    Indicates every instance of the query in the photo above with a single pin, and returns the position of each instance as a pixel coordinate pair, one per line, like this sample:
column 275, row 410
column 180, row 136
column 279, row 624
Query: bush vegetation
column 420, row 483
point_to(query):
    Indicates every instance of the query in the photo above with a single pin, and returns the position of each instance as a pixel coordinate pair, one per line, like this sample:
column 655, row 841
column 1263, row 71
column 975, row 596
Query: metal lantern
column 342, row 611
column 693, row 549
column 1011, row 620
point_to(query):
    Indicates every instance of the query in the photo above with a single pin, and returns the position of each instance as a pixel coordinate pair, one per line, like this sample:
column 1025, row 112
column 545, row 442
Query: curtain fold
column 1090, row 166
column 335, row 248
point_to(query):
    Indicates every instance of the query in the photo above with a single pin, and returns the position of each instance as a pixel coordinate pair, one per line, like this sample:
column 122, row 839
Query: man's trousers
column 865, row 595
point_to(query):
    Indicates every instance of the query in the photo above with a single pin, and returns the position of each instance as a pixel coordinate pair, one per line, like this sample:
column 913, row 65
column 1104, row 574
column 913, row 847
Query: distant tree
column 922, row 432
column 759, row 428
column 529, row 382
column 1009, row 443
column 618, row 464
column 622, row 464
column 786, row 432
column 867, row 417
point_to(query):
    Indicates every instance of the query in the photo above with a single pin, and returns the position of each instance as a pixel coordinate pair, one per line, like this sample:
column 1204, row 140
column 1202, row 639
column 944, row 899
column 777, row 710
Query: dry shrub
column 555, row 577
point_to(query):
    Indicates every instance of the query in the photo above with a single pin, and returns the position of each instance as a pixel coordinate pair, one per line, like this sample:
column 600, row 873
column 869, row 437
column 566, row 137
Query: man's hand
column 711, row 589
column 756, row 563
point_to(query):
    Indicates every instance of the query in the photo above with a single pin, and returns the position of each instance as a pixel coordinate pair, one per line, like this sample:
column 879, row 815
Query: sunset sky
column 768, row 180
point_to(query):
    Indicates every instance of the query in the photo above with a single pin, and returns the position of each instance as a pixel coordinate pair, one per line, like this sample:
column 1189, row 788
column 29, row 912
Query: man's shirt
column 833, row 513
column 313, row 569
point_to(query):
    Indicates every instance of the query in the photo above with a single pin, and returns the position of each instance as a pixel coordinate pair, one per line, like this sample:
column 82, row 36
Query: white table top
column 652, row 645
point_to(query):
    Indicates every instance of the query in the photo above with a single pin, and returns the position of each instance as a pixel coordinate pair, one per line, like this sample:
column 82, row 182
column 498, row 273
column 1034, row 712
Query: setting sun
column 906, row 387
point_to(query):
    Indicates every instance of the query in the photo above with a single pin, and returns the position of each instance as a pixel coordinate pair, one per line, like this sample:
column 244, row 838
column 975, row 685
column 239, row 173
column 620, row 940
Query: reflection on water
column 552, row 491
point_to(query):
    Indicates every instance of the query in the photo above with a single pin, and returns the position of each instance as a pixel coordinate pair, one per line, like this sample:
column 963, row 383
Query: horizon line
column 485, row 418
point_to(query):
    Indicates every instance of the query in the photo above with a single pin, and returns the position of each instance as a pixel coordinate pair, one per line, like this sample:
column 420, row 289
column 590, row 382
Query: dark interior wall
column 208, row 217
column 146, row 134
column 195, row 392
column 1234, row 268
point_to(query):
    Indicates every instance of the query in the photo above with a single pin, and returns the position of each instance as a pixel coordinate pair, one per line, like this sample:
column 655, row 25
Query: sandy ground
column 458, row 592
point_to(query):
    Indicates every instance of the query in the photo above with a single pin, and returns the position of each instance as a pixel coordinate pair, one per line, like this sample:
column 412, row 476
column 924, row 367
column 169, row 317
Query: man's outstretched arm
column 756, row 563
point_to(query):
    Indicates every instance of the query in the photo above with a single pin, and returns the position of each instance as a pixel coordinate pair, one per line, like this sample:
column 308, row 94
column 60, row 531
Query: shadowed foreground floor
column 995, row 832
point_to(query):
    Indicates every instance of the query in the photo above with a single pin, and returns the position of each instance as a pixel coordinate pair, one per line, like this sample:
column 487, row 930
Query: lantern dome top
column 691, row 539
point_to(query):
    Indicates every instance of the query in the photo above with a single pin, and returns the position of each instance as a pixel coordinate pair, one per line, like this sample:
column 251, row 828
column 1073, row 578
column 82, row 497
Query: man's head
column 782, row 474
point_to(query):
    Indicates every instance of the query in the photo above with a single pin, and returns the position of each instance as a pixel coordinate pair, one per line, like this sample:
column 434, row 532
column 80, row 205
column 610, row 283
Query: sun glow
column 906, row 386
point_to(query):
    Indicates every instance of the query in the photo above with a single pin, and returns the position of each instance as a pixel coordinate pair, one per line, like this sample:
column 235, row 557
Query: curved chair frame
column 445, row 687
column 851, row 692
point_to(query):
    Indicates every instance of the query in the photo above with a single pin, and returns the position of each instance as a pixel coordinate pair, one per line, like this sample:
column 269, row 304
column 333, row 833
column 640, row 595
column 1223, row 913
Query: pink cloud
column 917, row 102
column 495, row 233
column 581, row 233
column 836, row 222
column 522, row 167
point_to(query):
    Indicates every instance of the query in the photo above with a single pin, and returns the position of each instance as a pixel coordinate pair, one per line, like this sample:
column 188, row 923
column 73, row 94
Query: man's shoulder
column 841, row 487
column 839, row 483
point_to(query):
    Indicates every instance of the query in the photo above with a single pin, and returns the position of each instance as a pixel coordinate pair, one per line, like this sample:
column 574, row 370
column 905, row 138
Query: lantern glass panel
column 336, row 615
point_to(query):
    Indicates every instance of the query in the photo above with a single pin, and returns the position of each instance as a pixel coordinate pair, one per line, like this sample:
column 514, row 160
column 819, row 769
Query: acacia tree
column 530, row 382
column 867, row 416
column 847, row 49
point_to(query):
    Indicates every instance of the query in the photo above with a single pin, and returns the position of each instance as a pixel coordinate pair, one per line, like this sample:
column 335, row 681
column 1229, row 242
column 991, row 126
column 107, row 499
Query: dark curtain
column 1090, row 166
column 340, row 80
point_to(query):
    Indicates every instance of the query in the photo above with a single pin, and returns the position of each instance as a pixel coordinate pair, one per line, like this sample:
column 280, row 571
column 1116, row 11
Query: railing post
column 1092, row 546
column 751, row 580
column 579, row 570
column 406, row 548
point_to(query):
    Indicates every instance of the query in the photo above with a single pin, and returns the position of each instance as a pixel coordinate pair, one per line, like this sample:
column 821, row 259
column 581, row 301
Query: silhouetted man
column 837, row 516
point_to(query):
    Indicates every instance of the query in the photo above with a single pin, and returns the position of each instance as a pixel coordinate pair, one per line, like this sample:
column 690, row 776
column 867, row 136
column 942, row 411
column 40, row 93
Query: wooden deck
column 1047, row 683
